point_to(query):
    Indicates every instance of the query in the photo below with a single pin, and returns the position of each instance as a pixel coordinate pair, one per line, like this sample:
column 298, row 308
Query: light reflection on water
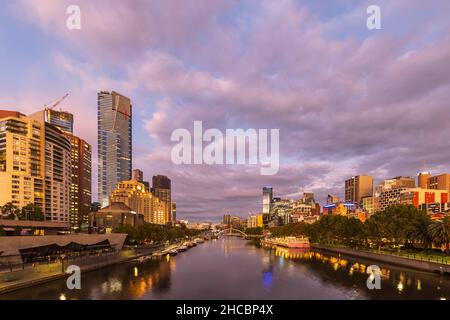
column 236, row 269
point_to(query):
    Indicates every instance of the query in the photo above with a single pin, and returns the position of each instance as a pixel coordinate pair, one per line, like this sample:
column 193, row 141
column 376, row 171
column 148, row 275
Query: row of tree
column 29, row 212
column 397, row 226
column 154, row 233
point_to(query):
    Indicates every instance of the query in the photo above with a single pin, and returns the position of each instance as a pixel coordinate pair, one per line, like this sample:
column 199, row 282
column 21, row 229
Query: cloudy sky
column 347, row 100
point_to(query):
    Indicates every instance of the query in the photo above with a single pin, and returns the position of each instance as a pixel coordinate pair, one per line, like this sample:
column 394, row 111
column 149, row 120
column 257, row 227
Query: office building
column 267, row 200
column 21, row 160
column 162, row 189
column 80, row 189
column 358, row 187
column 114, row 142
column 255, row 221
column 61, row 119
column 431, row 200
column 439, row 182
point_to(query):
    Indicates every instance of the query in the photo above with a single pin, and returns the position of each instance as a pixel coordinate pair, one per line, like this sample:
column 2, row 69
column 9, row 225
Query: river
column 231, row 268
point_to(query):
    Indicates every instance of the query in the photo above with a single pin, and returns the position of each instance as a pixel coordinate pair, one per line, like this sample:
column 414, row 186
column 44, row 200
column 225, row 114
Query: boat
column 142, row 259
column 288, row 242
column 173, row 252
column 182, row 248
column 199, row 240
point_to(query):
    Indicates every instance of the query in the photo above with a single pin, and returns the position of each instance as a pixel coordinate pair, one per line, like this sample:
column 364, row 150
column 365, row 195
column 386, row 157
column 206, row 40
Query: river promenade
column 41, row 273
column 406, row 260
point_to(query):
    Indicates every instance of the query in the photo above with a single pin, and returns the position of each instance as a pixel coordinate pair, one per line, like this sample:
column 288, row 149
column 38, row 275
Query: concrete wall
column 406, row 262
column 11, row 245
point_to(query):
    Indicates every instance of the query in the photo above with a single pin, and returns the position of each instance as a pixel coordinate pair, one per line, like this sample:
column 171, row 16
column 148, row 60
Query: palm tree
column 439, row 231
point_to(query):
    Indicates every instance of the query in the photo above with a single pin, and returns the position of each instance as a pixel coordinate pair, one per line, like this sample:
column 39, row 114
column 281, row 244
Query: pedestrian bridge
column 232, row 232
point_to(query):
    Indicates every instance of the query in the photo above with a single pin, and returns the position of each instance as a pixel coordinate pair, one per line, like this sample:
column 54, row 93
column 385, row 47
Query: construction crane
column 58, row 101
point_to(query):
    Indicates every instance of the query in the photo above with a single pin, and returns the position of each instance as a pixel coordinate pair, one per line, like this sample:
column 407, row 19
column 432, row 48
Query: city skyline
column 368, row 108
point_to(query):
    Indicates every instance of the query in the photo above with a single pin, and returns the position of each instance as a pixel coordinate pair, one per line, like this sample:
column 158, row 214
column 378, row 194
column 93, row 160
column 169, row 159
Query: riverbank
column 11, row 281
column 409, row 262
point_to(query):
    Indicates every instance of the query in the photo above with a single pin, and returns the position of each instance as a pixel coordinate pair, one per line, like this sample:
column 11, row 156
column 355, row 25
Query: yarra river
column 231, row 268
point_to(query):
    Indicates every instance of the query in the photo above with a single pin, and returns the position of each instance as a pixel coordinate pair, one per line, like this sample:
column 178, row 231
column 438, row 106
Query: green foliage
column 397, row 226
column 31, row 212
column 95, row 206
column 439, row 232
column 254, row 231
column 292, row 229
column 2, row 232
column 154, row 232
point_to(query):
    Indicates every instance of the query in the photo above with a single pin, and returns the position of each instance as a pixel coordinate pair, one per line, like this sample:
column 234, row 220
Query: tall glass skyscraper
column 114, row 142
column 267, row 199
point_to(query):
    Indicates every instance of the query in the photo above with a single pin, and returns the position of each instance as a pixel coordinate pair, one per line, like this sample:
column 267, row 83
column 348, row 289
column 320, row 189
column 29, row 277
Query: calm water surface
column 237, row 269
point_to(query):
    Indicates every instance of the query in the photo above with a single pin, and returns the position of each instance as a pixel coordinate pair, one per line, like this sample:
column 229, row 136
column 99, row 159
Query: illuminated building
column 161, row 188
column 80, row 190
column 431, row 200
column 332, row 199
column 255, row 221
column 138, row 175
column 358, row 187
column 368, row 205
column 114, row 142
column 267, row 200
column 117, row 214
column 134, row 194
column 388, row 192
column 21, row 160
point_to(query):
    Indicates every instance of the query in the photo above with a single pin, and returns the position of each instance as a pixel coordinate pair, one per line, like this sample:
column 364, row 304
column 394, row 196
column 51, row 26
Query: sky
column 347, row 100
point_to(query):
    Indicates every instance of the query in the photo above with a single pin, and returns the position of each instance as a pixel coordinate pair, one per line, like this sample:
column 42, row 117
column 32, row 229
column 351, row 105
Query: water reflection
column 236, row 269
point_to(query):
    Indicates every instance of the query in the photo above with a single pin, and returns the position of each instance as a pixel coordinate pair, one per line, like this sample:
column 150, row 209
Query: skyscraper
column 80, row 190
column 358, row 187
column 267, row 200
column 161, row 188
column 114, row 142
column 61, row 119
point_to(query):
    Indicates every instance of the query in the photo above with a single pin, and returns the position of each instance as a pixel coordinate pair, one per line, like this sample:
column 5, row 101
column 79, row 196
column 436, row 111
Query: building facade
column 134, row 194
column 439, row 182
column 267, row 200
column 162, row 189
column 80, row 189
column 358, row 187
column 114, row 142
column 21, row 160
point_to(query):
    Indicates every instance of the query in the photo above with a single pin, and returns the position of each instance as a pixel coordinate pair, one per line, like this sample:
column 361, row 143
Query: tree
column 439, row 232
column 31, row 212
column 254, row 231
column 11, row 211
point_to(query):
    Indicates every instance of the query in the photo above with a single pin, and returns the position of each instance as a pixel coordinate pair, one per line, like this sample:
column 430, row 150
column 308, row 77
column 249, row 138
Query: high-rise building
column 21, row 160
column 358, row 187
column 58, row 173
column 267, row 200
column 58, row 170
column 81, row 165
column 161, row 188
column 422, row 179
column 80, row 190
column 61, row 119
column 174, row 211
column 114, row 142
